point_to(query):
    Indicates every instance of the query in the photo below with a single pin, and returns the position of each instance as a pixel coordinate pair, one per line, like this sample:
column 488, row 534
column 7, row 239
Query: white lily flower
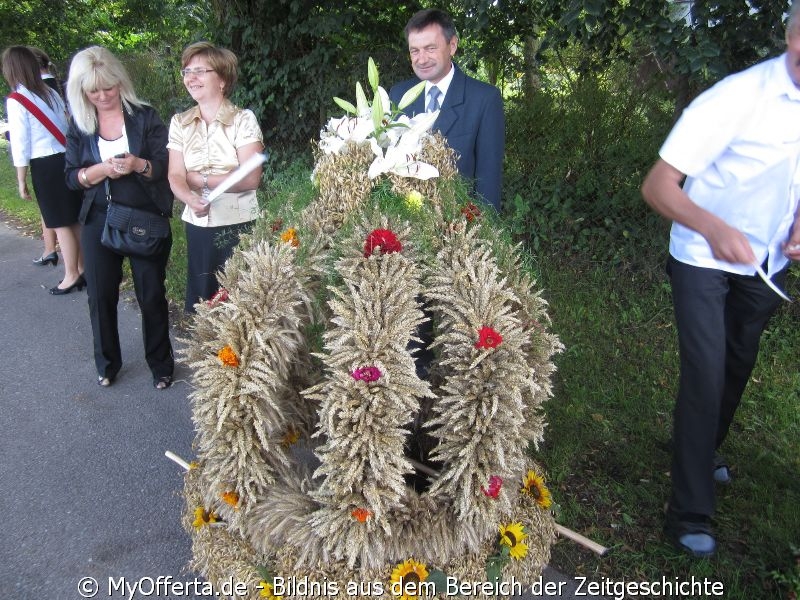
column 385, row 102
column 422, row 122
column 400, row 163
column 357, row 129
column 344, row 129
column 330, row 144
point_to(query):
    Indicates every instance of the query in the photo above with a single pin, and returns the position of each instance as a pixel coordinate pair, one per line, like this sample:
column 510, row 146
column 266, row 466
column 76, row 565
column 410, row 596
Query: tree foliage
column 690, row 43
column 296, row 55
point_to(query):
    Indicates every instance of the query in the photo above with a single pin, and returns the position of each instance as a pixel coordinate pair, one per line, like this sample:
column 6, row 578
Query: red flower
column 488, row 338
column 367, row 374
column 383, row 238
column 470, row 212
column 495, row 483
column 220, row 296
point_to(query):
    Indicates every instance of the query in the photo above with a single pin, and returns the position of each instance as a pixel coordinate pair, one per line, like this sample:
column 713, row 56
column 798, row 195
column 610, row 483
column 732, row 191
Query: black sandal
column 162, row 383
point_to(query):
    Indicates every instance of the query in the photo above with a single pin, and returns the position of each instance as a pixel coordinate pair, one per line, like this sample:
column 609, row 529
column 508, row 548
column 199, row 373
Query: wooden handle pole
column 177, row 459
column 582, row 540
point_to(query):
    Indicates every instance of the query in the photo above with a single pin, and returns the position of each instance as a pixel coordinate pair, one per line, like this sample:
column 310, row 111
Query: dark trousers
column 103, row 278
column 207, row 249
column 720, row 317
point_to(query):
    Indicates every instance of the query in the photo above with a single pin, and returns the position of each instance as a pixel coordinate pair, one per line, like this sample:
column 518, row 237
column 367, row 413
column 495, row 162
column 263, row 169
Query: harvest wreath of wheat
column 368, row 382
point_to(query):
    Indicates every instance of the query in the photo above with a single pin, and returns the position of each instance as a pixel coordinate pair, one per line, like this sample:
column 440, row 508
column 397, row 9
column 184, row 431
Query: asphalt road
column 85, row 488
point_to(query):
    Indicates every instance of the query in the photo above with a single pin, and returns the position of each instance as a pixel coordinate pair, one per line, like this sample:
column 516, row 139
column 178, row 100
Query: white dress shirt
column 29, row 138
column 739, row 144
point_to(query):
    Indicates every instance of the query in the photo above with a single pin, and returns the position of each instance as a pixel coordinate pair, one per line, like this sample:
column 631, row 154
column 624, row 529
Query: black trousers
column 720, row 317
column 103, row 277
column 207, row 249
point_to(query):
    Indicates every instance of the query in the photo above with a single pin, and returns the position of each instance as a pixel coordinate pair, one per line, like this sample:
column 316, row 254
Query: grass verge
column 606, row 448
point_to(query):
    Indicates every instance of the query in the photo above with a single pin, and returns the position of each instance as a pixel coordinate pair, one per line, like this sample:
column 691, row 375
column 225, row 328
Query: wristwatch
column 206, row 191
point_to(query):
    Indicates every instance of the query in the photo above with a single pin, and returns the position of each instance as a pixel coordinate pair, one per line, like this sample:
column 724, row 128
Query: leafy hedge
column 575, row 162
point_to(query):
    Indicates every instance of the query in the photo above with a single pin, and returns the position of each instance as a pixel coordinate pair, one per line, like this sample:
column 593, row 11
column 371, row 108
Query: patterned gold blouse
column 212, row 149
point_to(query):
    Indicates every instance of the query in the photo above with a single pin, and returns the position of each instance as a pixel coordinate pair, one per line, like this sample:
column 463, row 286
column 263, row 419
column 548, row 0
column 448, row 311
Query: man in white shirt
column 738, row 146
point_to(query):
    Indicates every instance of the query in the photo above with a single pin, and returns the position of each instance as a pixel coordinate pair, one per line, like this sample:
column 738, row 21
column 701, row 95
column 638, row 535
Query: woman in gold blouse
column 206, row 143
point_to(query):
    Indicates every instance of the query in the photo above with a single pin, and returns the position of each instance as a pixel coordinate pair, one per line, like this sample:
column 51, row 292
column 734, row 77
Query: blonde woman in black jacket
column 117, row 145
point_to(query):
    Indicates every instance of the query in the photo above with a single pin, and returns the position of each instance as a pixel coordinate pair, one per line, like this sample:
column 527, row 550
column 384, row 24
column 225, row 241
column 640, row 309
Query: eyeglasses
column 198, row 72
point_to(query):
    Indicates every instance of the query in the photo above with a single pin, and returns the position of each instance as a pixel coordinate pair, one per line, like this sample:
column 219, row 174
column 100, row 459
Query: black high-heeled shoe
column 50, row 259
column 78, row 284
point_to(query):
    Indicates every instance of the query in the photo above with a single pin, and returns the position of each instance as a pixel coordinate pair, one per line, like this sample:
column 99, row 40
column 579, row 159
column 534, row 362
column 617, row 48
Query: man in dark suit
column 471, row 112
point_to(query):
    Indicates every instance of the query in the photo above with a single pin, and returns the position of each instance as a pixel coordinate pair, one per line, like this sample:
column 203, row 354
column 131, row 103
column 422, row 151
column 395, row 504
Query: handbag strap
column 36, row 112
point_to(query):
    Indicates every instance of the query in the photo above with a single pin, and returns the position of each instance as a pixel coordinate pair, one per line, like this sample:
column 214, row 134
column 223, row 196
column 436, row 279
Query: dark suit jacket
column 472, row 120
column 147, row 138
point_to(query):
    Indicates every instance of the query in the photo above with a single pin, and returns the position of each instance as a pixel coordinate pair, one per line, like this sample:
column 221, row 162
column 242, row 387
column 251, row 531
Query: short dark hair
column 432, row 16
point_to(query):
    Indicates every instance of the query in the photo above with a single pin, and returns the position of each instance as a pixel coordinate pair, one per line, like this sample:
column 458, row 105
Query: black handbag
column 133, row 232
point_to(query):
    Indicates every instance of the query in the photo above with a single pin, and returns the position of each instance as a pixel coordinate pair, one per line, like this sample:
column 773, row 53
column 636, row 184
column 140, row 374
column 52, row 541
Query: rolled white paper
column 771, row 285
column 247, row 167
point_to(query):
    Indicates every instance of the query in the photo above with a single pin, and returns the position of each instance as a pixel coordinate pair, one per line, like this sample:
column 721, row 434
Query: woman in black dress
column 39, row 146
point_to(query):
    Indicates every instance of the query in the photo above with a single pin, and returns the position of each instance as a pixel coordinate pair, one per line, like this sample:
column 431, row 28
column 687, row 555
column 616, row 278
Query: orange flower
column 290, row 437
column 231, row 498
column 290, row 236
column 228, row 357
column 361, row 515
column 470, row 212
column 488, row 338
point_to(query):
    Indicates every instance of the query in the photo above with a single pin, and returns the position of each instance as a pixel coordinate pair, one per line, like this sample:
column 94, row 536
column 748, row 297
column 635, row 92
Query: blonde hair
column 92, row 69
column 222, row 60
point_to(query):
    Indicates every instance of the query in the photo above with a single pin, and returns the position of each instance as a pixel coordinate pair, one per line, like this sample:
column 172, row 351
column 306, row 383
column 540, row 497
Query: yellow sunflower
column 405, row 579
column 533, row 485
column 511, row 535
column 266, row 590
column 203, row 517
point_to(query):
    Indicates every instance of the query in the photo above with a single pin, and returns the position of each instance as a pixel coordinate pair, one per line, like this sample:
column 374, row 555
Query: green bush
column 157, row 80
column 575, row 162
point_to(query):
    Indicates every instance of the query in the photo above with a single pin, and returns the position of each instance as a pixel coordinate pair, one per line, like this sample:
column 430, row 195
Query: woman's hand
column 111, row 169
column 123, row 164
column 23, row 190
column 198, row 205
column 22, row 183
